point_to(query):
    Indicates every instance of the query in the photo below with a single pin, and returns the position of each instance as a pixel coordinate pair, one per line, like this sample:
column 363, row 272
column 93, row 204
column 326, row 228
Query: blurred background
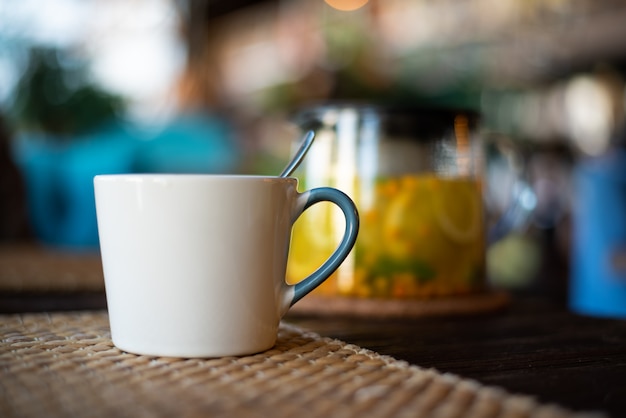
column 92, row 86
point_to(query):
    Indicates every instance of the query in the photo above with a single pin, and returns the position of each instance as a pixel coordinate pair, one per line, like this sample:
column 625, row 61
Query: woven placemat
column 64, row 364
column 32, row 268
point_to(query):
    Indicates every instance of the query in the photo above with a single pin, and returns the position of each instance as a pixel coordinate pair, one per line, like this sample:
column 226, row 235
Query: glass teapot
column 415, row 175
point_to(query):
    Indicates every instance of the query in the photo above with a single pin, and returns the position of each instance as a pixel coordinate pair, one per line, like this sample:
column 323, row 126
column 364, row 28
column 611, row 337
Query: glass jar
column 415, row 175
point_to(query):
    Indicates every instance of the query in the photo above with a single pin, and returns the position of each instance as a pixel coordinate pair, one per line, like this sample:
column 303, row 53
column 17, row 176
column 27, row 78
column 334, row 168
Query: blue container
column 59, row 172
column 598, row 259
column 59, row 182
column 191, row 143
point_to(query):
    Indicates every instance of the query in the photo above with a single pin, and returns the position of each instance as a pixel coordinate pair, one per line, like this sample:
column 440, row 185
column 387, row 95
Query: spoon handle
column 297, row 158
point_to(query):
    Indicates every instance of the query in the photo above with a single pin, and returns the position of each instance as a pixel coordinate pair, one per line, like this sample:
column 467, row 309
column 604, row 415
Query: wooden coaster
column 401, row 308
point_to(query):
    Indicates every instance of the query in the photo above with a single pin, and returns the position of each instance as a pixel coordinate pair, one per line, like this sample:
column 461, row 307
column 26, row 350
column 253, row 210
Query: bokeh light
column 346, row 5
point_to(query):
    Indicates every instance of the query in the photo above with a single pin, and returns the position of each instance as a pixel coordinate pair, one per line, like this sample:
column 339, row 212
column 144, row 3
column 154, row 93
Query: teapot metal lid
column 421, row 123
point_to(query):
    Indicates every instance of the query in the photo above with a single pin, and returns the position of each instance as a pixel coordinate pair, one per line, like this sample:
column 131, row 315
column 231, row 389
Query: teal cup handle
column 347, row 206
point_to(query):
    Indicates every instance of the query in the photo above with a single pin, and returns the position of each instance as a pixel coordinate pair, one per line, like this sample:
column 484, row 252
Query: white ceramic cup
column 194, row 265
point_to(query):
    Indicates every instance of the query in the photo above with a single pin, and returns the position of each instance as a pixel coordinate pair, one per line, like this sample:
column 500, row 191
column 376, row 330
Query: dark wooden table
column 534, row 346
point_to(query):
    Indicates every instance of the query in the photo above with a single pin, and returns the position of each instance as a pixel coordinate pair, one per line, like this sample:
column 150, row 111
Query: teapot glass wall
column 415, row 175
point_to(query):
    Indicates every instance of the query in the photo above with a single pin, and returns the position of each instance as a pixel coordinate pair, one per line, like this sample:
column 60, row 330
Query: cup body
column 194, row 265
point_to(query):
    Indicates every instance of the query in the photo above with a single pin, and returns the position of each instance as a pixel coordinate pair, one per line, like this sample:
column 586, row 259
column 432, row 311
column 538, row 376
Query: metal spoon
column 297, row 158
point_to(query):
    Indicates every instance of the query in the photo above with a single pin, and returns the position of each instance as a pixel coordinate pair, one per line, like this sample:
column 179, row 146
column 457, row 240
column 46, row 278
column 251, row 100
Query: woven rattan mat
column 30, row 268
column 64, row 364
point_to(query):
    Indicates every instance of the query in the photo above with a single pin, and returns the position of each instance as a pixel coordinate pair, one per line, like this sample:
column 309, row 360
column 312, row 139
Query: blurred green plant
column 58, row 98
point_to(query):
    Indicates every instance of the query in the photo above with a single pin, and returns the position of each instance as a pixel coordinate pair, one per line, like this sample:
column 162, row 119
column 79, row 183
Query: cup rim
column 189, row 177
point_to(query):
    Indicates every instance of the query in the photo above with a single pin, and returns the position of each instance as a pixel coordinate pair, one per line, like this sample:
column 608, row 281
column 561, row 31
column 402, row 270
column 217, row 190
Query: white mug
column 194, row 265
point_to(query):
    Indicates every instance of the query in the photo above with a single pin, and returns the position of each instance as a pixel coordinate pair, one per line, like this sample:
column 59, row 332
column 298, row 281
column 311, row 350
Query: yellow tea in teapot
column 420, row 236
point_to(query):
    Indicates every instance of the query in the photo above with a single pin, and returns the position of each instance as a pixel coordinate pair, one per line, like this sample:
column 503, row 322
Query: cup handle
column 347, row 206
